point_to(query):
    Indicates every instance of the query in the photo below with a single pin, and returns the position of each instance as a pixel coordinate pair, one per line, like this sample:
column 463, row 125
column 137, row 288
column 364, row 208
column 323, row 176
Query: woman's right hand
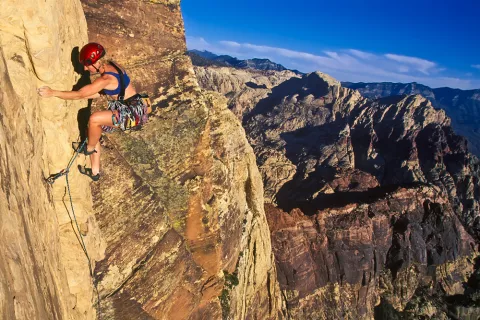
column 45, row 92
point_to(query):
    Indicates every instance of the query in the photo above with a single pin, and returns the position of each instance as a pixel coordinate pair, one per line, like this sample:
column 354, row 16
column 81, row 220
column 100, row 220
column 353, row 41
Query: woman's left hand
column 45, row 92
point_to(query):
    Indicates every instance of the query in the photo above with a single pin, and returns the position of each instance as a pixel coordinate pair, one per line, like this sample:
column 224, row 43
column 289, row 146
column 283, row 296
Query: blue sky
column 436, row 43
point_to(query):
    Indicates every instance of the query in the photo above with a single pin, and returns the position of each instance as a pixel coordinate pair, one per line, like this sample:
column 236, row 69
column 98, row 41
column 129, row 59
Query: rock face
column 176, row 227
column 43, row 269
column 462, row 106
column 346, row 259
column 388, row 194
column 192, row 240
column 387, row 198
column 195, row 219
column 243, row 88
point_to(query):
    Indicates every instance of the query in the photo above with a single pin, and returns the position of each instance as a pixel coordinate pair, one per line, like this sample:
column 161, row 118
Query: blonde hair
column 104, row 60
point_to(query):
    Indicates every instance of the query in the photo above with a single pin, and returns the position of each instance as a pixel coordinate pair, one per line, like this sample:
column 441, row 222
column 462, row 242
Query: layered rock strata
column 342, row 159
column 341, row 262
column 180, row 202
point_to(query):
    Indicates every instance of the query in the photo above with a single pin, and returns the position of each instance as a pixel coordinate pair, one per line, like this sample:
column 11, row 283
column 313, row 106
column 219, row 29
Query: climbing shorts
column 131, row 113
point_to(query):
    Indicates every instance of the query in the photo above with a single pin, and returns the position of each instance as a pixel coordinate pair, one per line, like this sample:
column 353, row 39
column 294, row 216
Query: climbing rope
column 84, row 247
column 51, row 180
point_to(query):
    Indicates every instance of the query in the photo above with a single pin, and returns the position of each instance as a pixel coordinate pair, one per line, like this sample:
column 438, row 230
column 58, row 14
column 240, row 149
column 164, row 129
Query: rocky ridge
column 206, row 58
column 243, row 88
column 342, row 158
column 462, row 106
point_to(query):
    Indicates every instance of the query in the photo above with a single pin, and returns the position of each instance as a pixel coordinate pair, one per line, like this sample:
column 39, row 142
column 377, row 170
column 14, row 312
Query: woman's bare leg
column 95, row 123
column 95, row 159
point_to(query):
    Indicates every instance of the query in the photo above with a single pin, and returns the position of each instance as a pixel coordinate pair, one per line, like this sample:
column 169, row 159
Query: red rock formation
column 388, row 189
column 179, row 230
column 345, row 259
column 180, row 202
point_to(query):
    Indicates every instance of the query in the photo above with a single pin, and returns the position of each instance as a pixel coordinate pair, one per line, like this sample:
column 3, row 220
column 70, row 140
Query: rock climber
column 110, row 83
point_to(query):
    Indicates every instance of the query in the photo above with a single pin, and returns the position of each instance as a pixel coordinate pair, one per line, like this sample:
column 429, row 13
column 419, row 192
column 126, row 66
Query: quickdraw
column 51, row 179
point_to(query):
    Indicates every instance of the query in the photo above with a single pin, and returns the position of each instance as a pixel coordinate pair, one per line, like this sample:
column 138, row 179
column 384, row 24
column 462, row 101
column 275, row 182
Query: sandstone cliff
column 43, row 270
column 177, row 229
column 388, row 199
column 195, row 220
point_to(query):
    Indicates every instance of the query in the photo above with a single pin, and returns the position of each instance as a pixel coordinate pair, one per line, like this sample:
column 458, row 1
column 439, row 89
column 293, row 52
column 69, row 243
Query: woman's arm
column 94, row 96
column 89, row 91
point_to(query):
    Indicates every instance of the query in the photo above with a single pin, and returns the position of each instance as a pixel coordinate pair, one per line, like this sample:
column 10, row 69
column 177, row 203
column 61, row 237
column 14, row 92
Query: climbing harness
column 51, row 180
column 127, row 114
column 132, row 113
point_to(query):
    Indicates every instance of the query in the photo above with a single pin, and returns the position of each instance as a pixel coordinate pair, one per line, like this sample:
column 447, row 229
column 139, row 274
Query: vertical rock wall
column 180, row 203
column 181, row 228
column 43, row 270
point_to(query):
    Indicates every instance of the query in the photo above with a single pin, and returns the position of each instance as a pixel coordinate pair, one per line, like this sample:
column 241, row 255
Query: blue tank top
column 126, row 80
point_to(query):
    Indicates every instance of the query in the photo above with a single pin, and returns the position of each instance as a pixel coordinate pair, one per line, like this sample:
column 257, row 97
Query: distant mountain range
column 206, row 58
column 462, row 106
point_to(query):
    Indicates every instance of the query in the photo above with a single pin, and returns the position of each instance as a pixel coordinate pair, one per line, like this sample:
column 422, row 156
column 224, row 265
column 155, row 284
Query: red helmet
column 91, row 53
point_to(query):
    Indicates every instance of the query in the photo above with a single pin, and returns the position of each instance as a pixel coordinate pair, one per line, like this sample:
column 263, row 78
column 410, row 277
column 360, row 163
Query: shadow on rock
column 254, row 85
column 83, row 114
column 308, row 142
column 309, row 84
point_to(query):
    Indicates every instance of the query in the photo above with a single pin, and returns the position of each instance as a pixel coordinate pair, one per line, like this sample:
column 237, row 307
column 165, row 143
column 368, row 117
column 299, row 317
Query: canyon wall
column 373, row 205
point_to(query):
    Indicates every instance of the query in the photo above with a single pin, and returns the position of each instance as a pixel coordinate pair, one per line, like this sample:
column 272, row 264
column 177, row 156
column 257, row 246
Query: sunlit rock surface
column 177, row 229
column 243, row 88
column 180, row 203
column 43, row 269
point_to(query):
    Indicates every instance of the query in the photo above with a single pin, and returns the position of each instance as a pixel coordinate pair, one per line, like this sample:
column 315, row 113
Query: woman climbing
column 113, row 82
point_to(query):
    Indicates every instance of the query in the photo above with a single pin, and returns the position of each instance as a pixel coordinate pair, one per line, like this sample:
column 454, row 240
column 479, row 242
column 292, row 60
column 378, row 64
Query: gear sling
column 132, row 113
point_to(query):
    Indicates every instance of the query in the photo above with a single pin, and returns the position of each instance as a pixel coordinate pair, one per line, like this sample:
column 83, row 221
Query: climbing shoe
column 88, row 172
column 82, row 148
